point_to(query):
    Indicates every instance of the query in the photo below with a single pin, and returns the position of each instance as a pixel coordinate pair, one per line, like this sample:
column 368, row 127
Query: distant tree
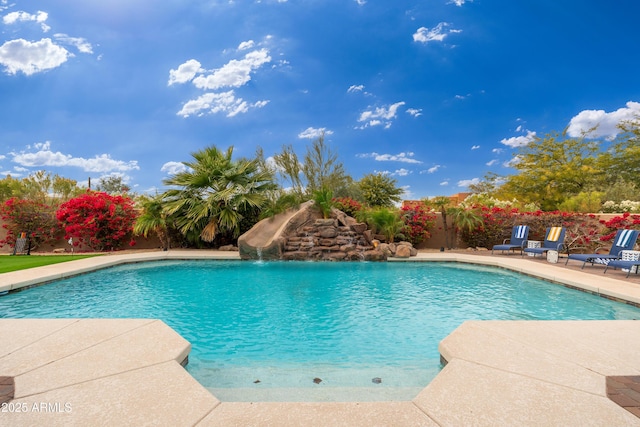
column 64, row 188
column 380, row 190
column 41, row 187
column 289, row 167
column 112, row 184
column 622, row 161
column 322, row 169
column 37, row 187
column 10, row 187
column 488, row 185
column 585, row 201
column 551, row 169
column 620, row 190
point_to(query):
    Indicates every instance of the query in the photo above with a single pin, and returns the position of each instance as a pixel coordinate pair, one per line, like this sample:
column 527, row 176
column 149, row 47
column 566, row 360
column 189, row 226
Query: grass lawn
column 21, row 262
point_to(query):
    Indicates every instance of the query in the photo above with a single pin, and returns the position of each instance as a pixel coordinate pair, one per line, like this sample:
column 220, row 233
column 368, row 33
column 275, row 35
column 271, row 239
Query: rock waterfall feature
column 303, row 234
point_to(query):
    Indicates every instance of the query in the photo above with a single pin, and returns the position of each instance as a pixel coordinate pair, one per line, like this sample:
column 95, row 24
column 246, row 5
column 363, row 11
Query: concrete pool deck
column 127, row 371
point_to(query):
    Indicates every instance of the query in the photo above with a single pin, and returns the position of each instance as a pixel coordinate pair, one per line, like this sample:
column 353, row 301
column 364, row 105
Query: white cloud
column 492, row 162
column 497, row 150
column 400, row 157
column 314, row 133
column 380, row 115
column 32, row 57
column 173, row 168
column 432, row 169
column 235, row 73
column 511, row 163
column 80, row 43
column 468, row 182
column 361, row 2
column 249, row 44
column 519, row 141
column 185, row 72
column 40, row 17
column 605, row 124
column 415, row 112
column 355, row 88
column 213, row 103
column 45, row 157
column 475, row 147
column 426, row 35
column 459, row 2
column 444, row 183
column 401, row 172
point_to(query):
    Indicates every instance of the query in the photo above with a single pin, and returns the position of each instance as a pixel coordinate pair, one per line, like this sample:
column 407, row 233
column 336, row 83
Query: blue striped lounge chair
column 553, row 241
column 518, row 240
column 619, row 263
column 624, row 240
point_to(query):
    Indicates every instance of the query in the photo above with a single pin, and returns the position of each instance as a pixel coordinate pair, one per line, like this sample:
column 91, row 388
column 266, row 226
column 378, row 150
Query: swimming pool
column 310, row 331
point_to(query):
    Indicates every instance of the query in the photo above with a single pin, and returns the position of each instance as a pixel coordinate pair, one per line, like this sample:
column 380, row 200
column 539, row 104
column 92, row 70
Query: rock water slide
column 303, row 234
column 265, row 240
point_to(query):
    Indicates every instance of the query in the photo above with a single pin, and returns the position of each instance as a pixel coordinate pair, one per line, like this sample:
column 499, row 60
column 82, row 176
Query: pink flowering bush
column 38, row 221
column 418, row 222
column 98, row 220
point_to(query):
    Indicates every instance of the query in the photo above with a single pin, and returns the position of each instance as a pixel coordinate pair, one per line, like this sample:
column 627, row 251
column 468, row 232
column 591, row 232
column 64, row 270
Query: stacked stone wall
column 330, row 240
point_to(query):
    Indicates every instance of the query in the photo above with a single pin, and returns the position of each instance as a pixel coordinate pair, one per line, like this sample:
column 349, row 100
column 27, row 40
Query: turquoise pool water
column 265, row 331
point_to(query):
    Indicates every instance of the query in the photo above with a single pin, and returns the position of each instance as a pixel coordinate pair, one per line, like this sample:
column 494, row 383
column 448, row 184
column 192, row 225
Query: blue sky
column 434, row 92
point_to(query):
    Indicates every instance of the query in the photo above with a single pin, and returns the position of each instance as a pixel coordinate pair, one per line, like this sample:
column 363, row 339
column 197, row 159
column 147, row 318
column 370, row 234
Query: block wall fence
column 436, row 241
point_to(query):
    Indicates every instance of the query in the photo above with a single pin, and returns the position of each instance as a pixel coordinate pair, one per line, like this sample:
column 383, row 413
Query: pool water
column 303, row 331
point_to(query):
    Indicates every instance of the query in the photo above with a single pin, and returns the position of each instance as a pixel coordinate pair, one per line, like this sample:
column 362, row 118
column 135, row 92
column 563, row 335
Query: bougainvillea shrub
column 418, row 220
column 584, row 231
column 497, row 225
column 347, row 205
column 36, row 220
column 626, row 220
column 101, row 221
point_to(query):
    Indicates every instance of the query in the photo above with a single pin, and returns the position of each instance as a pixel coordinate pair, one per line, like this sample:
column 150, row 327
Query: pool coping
column 498, row 372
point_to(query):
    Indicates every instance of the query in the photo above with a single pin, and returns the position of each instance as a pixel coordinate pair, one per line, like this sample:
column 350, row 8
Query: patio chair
column 627, row 264
column 624, row 240
column 22, row 245
column 518, row 240
column 553, row 241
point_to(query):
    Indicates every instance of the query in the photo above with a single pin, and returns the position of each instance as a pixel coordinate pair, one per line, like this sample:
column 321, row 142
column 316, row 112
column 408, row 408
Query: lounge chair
column 518, row 240
column 554, row 241
column 624, row 240
column 619, row 263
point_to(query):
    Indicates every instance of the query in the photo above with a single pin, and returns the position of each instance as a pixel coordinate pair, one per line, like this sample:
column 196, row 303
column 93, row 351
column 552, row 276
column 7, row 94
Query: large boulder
column 403, row 251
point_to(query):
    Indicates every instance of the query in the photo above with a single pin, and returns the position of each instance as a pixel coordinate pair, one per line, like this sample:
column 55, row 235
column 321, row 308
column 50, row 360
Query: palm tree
column 214, row 191
column 323, row 201
column 153, row 219
column 464, row 219
column 443, row 204
column 385, row 221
